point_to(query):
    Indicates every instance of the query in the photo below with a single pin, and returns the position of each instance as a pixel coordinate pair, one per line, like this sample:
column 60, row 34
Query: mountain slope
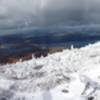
column 59, row 76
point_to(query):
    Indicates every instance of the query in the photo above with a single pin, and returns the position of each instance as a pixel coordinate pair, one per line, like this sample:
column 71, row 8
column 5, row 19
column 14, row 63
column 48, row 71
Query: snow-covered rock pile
column 73, row 74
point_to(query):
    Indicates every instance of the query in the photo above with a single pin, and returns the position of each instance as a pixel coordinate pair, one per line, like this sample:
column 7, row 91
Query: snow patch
column 66, row 75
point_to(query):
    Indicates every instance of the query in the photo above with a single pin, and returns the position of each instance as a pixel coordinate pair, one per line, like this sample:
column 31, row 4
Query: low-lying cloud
column 17, row 15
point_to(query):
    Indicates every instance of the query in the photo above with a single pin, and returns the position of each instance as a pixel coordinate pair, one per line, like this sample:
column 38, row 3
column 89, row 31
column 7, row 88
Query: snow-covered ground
column 68, row 75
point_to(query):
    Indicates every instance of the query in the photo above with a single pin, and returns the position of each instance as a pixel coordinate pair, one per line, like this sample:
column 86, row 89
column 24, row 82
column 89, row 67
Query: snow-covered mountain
column 73, row 74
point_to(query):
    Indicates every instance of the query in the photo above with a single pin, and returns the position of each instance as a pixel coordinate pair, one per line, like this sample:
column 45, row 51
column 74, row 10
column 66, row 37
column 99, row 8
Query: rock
column 25, row 55
column 91, row 98
column 65, row 91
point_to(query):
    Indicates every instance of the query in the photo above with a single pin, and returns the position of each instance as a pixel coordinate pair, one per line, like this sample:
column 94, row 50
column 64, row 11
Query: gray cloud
column 17, row 15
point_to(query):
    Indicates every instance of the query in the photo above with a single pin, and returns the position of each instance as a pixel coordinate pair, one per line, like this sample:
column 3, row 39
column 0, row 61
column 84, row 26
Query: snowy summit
column 73, row 74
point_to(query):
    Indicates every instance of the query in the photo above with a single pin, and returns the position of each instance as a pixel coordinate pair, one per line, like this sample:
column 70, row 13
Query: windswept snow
column 59, row 76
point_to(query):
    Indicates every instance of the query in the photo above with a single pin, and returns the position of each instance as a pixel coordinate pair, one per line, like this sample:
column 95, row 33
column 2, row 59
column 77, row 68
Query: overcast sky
column 17, row 15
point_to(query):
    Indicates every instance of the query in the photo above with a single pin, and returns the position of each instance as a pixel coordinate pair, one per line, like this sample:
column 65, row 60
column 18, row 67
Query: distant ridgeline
column 44, row 41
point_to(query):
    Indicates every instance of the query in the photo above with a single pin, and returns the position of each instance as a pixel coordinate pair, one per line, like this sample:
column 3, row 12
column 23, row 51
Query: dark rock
column 24, row 55
column 38, row 67
column 65, row 91
column 91, row 98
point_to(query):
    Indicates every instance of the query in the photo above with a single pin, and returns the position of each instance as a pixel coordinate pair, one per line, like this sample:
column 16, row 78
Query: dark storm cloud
column 17, row 15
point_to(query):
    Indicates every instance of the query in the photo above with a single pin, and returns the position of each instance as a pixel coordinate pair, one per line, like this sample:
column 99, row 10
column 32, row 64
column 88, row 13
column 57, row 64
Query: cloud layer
column 17, row 15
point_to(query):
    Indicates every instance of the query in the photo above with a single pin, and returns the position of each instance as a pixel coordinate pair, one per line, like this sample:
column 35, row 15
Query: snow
column 59, row 76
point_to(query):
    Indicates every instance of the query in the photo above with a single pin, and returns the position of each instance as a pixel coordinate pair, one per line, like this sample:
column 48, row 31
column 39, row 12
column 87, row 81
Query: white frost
column 58, row 76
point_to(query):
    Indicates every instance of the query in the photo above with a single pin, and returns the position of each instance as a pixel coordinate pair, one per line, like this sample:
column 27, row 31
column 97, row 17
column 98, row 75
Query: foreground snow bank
column 68, row 75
